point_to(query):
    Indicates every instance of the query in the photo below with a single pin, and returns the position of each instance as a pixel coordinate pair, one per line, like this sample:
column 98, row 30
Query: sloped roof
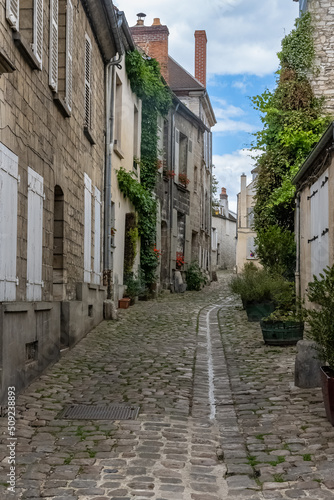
column 180, row 79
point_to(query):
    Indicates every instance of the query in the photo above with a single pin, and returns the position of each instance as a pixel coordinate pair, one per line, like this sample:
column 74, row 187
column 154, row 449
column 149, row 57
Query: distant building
column 183, row 188
column 245, row 233
column 223, row 241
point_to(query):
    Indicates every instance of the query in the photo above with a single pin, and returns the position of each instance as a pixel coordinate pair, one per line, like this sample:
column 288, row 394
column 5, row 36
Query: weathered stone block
column 307, row 365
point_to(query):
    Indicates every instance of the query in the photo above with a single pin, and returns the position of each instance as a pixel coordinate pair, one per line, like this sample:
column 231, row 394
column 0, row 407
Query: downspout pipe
column 109, row 126
column 171, row 191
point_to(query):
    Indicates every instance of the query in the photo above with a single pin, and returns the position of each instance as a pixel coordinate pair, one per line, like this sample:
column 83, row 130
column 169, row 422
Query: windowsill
column 26, row 51
column 181, row 188
column 60, row 102
column 6, row 65
column 88, row 134
column 118, row 150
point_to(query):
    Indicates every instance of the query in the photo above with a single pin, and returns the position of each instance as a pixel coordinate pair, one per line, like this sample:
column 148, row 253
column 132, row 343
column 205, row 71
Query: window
column 35, row 235
column 319, row 228
column 53, row 47
column 183, row 154
column 214, row 238
column 88, row 230
column 97, row 236
column 135, row 136
column 8, row 223
column 250, row 252
column 88, row 90
column 195, row 179
column 26, row 20
column 250, row 217
column 176, row 154
column 69, row 54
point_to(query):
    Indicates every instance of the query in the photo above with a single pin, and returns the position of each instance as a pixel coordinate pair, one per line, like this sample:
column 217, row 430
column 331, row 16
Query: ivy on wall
column 293, row 122
column 147, row 84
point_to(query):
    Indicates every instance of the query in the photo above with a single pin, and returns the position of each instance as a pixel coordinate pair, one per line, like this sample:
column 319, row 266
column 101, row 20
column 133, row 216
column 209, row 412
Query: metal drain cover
column 99, row 412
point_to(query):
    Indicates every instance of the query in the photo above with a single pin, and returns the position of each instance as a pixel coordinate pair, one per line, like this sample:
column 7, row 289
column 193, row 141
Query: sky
column 244, row 37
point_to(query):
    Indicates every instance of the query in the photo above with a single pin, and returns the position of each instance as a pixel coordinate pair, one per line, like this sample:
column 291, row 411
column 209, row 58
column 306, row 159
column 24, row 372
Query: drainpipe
column 297, row 225
column 110, row 100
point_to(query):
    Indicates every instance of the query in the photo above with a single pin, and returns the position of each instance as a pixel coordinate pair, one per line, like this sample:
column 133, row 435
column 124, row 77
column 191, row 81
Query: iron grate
column 100, row 412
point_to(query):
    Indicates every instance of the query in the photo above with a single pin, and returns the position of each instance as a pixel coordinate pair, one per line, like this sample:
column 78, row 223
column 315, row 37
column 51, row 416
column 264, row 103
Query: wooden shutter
column 69, row 54
column 12, row 13
column 88, row 230
column 38, row 31
column 177, row 155
column 314, row 229
column 88, row 70
column 323, row 240
column 53, row 56
column 8, row 223
column 97, row 236
column 35, row 235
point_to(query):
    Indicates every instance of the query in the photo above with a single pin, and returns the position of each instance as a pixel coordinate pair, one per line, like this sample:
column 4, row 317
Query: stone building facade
column 245, row 234
column 314, row 216
column 322, row 20
column 184, row 181
column 53, row 60
column 223, row 235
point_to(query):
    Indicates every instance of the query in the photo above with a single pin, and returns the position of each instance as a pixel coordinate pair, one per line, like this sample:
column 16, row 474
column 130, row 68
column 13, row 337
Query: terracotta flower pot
column 327, row 382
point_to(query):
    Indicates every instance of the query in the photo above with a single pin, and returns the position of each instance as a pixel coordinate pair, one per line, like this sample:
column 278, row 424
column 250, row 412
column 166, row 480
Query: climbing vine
column 293, row 122
column 147, row 84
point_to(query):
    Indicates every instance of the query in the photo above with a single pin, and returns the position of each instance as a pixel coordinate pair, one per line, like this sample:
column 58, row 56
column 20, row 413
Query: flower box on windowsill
column 124, row 303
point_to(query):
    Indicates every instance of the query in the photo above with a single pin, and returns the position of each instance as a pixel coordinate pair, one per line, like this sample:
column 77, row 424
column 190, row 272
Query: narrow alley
column 219, row 418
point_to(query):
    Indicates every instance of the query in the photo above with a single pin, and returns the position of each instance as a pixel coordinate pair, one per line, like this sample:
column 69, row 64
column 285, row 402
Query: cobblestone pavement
column 220, row 417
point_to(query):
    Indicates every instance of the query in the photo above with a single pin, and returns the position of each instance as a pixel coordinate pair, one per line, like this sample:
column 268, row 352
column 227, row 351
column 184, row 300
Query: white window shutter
column 53, row 55
column 12, row 13
column 177, row 155
column 323, row 245
column 35, row 235
column 88, row 70
column 69, row 54
column 38, row 31
column 8, row 223
column 97, row 236
column 315, row 228
column 88, row 230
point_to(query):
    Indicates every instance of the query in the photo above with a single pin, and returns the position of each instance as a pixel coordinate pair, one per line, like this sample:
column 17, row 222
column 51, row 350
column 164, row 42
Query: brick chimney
column 154, row 41
column 223, row 204
column 200, row 56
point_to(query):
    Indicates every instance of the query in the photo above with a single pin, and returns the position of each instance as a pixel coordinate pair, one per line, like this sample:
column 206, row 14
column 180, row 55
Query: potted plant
column 321, row 322
column 284, row 326
column 254, row 287
column 133, row 288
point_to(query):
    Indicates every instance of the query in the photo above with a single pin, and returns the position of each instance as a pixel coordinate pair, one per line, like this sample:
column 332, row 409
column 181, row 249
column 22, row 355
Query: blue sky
column 244, row 37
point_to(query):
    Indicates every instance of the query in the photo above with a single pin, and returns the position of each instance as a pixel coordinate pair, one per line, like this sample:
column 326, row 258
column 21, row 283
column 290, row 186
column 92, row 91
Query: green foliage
column 321, row 319
column 253, row 285
column 276, row 248
column 292, row 124
column 133, row 286
column 146, row 82
column 195, row 277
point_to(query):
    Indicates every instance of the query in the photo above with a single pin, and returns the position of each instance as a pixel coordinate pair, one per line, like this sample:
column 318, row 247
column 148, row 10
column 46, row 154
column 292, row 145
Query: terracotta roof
column 180, row 79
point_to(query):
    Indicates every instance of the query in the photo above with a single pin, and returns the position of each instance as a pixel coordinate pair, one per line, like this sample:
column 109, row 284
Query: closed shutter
column 323, row 245
column 69, row 54
column 97, row 237
column 88, row 230
column 177, row 155
column 35, row 236
column 38, row 31
column 53, row 57
column 88, row 70
column 251, row 254
column 8, row 223
column 315, row 227
column 12, row 13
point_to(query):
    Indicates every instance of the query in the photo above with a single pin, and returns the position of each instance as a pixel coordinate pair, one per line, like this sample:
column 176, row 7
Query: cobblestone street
column 219, row 416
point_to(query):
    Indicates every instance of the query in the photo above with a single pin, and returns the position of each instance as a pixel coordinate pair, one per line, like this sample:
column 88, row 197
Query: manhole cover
column 106, row 412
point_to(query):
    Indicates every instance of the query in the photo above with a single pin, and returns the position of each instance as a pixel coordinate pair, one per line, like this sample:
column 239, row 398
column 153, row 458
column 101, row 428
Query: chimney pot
column 156, row 21
column 140, row 21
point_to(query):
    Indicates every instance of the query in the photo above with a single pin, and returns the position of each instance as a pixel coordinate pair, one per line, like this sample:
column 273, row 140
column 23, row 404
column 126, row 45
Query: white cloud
column 243, row 36
column 229, row 168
